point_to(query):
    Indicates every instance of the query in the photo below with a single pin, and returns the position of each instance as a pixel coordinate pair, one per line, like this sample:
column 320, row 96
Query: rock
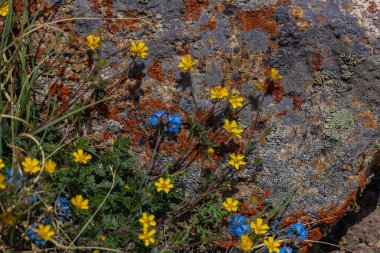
column 322, row 129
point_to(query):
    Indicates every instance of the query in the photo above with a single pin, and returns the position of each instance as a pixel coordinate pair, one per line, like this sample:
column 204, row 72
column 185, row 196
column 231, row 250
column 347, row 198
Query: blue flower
column 154, row 119
column 275, row 227
column 34, row 236
column 286, row 249
column 40, row 242
column 62, row 199
column 303, row 235
column 174, row 128
column 237, row 226
column 175, row 119
column 161, row 113
column 46, row 220
column 299, row 229
column 157, row 117
column 61, row 209
column 16, row 178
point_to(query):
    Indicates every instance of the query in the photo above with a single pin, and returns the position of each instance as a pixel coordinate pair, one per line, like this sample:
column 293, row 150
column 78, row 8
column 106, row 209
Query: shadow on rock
column 368, row 203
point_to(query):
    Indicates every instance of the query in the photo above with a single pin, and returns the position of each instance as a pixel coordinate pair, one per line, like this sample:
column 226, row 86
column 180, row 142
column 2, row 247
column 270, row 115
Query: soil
column 358, row 231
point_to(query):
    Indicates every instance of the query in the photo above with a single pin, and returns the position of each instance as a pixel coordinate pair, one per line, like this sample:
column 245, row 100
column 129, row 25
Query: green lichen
column 349, row 61
column 352, row 59
column 321, row 77
column 346, row 72
column 339, row 122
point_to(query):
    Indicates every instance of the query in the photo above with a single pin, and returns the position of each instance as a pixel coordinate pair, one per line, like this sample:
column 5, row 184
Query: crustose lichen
column 339, row 122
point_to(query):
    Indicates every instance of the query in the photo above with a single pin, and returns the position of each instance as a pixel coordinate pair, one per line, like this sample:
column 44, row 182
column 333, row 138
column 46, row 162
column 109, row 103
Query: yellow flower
column 4, row 9
column 231, row 205
column 229, row 126
column 8, row 218
column 164, row 185
column 259, row 86
column 49, row 208
column 79, row 202
column 102, row 238
column 96, row 251
column 147, row 220
column 259, row 227
column 2, row 182
column 139, row 49
column 237, row 132
column 236, row 160
column 93, row 41
column 50, row 166
column 218, row 92
column 45, row 232
column 210, row 151
column 186, row 62
column 81, row 157
column 272, row 245
column 2, row 164
column 236, row 101
column 246, row 243
column 147, row 236
column 31, row 165
column 274, row 75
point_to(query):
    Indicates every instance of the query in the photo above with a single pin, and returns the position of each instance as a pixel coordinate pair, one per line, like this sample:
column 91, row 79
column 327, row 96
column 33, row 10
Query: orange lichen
column 283, row 2
column 297, row 102
column 332, row 214
column 132, row 20
column 299, row 216
column 113, row 113
column 73, row 77
column 203, row 114
column 18, row 6
column 298, row 14
column 155, row 71
column 170, row 76
column 184, row 49
column 369, row 120
column 62, row 90
column 101, row 6
column 315, row 234
column 112, row 26
column 219, row 137
column 193, row 9
column 256, row 203
column 363, row 180
column 282, row 113
column 317, row 60
column 40, row 53
column 210, row 26
column 263, row 18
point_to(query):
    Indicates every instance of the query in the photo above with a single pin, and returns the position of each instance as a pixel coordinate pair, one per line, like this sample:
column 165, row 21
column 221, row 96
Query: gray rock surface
column 328, row 53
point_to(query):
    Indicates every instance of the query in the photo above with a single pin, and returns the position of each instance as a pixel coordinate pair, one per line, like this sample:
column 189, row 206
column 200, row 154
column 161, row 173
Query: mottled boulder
column 324, row 132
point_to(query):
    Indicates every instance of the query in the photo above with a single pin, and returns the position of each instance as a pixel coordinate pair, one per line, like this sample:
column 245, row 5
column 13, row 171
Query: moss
column 321, row 77
column 339, row 122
